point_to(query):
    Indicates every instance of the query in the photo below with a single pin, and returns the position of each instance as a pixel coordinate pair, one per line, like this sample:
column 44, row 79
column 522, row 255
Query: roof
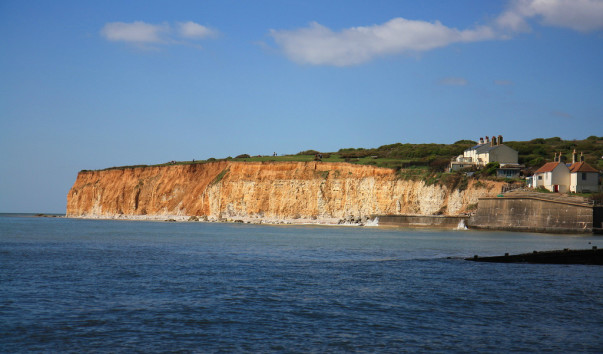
column 548, row 167
column 511, row 165
column 582, row 167
column 483, row 148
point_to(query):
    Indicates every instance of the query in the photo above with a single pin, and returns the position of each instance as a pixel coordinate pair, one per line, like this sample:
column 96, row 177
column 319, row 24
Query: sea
column 75, row 285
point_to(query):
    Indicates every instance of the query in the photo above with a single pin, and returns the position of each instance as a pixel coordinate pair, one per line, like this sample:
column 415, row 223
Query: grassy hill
column 436, row 157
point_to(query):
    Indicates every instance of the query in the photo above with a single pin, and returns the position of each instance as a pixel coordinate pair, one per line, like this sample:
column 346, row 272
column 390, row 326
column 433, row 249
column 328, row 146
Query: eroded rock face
column 274, row 190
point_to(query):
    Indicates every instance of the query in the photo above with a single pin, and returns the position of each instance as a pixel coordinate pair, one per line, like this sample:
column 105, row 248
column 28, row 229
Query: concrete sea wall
column 420, row 221
column 537, row 215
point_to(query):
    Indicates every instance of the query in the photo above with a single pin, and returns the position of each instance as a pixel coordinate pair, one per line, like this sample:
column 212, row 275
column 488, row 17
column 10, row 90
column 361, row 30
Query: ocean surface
column 71, row 285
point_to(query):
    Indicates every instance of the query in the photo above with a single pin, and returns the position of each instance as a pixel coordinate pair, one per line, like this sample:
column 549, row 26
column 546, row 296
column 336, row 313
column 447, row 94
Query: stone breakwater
column 273, row 192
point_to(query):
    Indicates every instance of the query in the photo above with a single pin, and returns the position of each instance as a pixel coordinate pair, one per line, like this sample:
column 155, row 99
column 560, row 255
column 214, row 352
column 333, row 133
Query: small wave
column 461, row 225
column 374, row 222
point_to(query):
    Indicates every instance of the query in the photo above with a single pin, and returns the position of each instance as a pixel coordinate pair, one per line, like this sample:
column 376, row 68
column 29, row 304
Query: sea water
column 71, row 285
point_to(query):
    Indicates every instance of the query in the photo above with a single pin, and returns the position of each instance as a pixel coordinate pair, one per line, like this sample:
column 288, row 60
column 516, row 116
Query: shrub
column 537, row 162
column 243, row 156
column 308, row 152
column 490, row 169
column 465, row 142
column 439, row 164
column 356, row 154
column 541, row 189
column 597, row 198
column 537, row 141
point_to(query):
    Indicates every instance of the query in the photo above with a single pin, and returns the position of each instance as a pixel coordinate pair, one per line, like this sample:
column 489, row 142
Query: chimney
column 481, row 141
column 561, row 157
column 500, row 140
column 581, row 157
column 487, row 140
column 493, row 141
column 555, row 159
column 574, row 156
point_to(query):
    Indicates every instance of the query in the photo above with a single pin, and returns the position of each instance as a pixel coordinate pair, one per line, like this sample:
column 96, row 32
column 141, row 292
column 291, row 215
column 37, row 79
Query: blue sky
column 94, row 84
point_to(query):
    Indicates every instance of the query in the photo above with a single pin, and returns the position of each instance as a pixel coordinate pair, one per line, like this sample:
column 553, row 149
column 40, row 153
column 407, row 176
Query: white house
column 583, row 178
column 485, row 152
column 554, row 176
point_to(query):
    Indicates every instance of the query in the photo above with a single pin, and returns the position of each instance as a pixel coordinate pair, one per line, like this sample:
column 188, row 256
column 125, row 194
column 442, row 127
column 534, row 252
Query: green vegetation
column 220, row 176
column 536, row 152
column 541, row 189
column 597, row 198
column 429, row 162
column 489, row 169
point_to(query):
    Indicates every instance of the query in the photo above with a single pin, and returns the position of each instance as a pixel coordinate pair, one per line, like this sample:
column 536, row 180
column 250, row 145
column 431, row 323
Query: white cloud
column 135, row 32
column 453, row 81
column 320, row 45
column 194, row 30
column 143, row 34
column 579, row 15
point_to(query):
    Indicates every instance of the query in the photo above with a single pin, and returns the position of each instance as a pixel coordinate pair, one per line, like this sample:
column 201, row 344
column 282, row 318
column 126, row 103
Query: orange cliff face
column 263, row 190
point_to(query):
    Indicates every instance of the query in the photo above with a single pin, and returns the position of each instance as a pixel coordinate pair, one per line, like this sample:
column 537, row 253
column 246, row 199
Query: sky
column 95, row 84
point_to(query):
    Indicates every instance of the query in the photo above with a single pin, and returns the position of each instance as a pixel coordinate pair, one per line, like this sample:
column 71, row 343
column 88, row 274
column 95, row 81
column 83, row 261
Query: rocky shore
column 349, row 221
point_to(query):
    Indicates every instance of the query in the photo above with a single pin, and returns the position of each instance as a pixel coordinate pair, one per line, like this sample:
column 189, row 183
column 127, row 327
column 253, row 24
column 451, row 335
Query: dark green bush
column 308, row 152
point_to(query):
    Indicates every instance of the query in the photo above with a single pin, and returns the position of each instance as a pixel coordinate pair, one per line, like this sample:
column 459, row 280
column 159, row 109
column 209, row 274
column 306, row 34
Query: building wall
column 531, row 214
column 502, row 154
column 538, row 180
column 507, row 172
column 561, row 177
column 419, row 221
column 457, row 166
column 470, row 156
column 590, row 184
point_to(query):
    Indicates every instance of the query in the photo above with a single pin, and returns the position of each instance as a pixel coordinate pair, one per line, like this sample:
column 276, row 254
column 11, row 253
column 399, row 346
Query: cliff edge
column 264, row 191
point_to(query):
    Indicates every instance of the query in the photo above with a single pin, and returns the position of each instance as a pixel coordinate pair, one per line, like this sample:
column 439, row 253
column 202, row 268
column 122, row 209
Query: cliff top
column 436, row 157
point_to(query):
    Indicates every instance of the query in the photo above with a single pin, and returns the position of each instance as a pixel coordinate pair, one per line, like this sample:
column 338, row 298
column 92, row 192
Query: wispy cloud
column 194, row 30
column 144, row 34
column 453, row 81
column 135, row 32
column 319, row 45
column 579, row 15
column 562, row 114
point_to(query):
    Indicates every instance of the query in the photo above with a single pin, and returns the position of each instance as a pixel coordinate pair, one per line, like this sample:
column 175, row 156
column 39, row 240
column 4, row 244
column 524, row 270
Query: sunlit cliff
column 274, row 191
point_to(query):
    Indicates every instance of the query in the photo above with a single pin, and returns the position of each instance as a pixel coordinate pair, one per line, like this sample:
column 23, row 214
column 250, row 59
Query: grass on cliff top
column 436, row 157
column 379, row 162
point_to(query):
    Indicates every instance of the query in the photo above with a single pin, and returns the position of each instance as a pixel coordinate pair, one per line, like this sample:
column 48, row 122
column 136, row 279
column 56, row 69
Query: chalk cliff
column 268, row 191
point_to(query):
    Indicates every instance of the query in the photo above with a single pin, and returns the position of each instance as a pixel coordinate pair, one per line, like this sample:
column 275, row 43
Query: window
column 584, row 176
column 540, row 178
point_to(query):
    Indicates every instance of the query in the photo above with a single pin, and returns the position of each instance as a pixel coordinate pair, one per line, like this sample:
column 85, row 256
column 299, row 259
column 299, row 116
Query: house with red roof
column 554, row 176
column 583, row 177
column 557, row 176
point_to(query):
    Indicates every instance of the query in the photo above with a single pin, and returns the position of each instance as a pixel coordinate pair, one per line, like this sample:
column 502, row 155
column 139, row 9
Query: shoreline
column 243, row 220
